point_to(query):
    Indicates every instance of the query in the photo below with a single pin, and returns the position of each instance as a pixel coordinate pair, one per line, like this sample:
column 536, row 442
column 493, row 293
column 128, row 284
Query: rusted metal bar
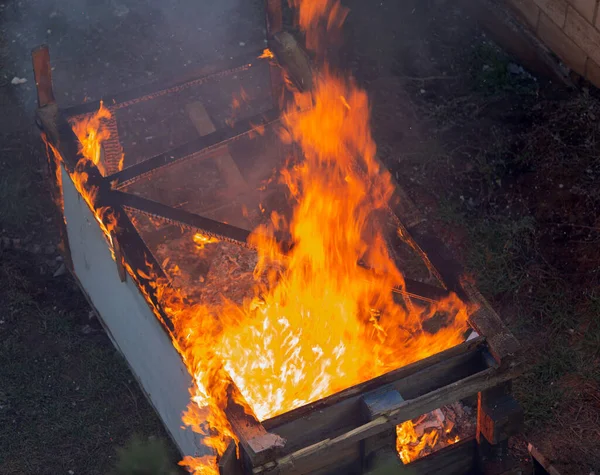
column 195, row 148
column 157, row 89
column 228, row 232
column 43, row 75
column 180, row 217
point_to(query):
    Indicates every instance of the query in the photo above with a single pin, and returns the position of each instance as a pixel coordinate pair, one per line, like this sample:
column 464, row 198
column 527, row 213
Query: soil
column 503, row 164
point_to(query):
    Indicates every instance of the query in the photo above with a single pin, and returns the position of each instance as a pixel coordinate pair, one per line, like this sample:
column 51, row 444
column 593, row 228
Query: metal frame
column 344, row 427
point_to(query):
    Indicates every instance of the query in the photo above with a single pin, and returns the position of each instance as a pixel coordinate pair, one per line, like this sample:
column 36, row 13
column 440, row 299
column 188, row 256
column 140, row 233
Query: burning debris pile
column 276, row 327
column 434, row 431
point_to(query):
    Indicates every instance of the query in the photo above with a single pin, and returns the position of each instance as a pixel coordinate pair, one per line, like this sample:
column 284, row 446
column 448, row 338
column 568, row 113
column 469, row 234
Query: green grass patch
column 68, row 399
column 493, row 72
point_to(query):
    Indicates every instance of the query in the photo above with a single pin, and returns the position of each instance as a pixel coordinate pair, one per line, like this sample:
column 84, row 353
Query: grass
column 144, row 457
column 516, row 191
column 67, row 400
column 494, row 72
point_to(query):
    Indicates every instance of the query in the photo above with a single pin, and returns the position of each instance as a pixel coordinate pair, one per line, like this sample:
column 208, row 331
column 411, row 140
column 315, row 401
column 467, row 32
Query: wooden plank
column 374, row 404
column 341, row 412
column 384, row 461
column 409, row 409
column 379, row 401
column 42, row 73
column 499, row 416
column 411, row 377
column 486, row 321
column 545, row 466
column 118, row 256
column 225, row 163
column 436, row 255
column 229, row 464
column 455, row 459
column 274, row 17
column 178, row 216
column 258, row 445
column 341, row 462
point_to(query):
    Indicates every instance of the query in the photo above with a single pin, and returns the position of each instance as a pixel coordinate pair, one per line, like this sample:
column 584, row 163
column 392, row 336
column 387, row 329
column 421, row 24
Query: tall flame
column 91, row 134
column 324, row 318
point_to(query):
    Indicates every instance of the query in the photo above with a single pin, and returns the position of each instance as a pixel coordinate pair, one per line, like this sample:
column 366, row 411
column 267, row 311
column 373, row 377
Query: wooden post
column 274, row 17
column 258, row 445
column 380, row 450
column 498, row 417
column 43, row 75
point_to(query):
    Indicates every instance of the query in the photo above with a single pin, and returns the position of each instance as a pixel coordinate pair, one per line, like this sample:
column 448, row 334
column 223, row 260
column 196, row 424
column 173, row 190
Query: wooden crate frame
column 352, row 431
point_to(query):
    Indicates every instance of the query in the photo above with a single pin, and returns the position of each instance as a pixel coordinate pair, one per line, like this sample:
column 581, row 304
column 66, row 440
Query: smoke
column 100, row 47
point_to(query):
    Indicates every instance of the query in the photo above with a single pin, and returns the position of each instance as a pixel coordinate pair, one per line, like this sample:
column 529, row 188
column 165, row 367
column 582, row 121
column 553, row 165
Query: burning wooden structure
column 128, row 217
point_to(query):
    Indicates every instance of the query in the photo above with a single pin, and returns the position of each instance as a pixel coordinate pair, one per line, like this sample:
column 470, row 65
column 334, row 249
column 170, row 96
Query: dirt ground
column 504, row 164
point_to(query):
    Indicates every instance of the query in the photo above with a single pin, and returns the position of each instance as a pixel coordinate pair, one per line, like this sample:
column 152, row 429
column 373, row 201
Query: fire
column 266, row 54
column 324, row 318
column 91, row 134
column 206, row 465
column 202, row 240
column 408, row 443
column 325, row 322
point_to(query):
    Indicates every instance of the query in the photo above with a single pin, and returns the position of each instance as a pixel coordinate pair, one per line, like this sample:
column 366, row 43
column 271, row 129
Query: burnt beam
column 292, row 59
column 258, row 445
column 502, row 343
column 200, row 146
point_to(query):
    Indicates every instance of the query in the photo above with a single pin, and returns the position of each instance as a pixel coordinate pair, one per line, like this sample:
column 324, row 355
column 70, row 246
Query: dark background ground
column 505, row 165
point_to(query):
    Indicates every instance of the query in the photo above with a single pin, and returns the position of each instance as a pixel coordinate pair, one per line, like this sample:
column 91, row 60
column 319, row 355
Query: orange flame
column 324, row 319
column 91, row 134
column 202, row 240
column 266, row 54
column 408, row 443
column 206, row 465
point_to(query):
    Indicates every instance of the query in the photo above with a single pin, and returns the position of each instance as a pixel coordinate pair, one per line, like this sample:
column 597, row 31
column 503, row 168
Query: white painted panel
column 135, row 330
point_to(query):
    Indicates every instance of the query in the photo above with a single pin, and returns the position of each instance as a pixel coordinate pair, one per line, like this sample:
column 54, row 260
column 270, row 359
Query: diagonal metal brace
column 180, row 217
column 194, row 148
